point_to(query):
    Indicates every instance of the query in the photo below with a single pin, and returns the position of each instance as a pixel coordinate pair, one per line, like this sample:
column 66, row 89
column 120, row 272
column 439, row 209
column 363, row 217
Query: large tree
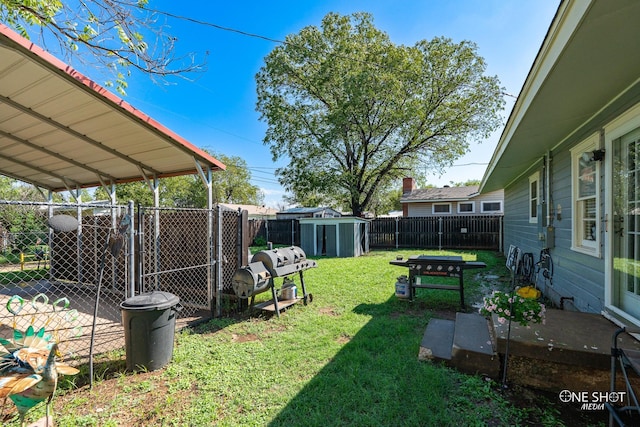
column 110, row 35
column 353, row 111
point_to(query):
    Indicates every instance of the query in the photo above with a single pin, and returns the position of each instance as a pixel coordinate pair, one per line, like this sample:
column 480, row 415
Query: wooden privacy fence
column 278, row 231
column 442, row 232
column 438, row 232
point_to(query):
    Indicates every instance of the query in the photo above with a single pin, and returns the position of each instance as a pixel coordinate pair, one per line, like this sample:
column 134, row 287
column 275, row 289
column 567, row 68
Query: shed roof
column 59, row 130
column 304, row 210
column 252, row 210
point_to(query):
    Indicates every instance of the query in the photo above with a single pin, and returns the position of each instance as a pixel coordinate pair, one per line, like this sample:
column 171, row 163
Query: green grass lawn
column 347, row 359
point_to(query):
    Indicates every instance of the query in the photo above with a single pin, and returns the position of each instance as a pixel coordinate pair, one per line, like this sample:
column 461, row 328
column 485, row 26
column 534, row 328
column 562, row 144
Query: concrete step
column 465, row 344
column 437, row 341
column 473, row 349
column 472, row 334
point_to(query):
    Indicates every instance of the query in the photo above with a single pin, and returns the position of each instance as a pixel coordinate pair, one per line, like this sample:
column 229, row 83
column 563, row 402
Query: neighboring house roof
column 302, row 210
column 59, row 130
column 252, row 210
column 448, row 194
column 586, row 71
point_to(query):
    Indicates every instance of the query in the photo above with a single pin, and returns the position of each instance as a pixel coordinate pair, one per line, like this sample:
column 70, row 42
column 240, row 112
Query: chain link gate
column 192, row 253
column 175, row 256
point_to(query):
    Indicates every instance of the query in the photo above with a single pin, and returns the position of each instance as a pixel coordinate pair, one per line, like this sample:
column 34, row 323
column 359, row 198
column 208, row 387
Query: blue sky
column 216, row 110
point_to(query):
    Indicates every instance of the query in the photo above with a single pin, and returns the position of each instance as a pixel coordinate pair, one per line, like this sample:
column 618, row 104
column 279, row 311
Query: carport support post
column 50, row 239
column 132, row 253
column 156, row 232
column 76, row 195
column 114, row 224
column 214, row 266
column 155, row 189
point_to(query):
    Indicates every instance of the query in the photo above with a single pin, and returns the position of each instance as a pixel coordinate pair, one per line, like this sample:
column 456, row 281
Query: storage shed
column 335, row 237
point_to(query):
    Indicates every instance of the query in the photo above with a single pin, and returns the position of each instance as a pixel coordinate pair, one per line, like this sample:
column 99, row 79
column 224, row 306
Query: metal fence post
column 266, row 230
column 397, row 232
column 219, row 285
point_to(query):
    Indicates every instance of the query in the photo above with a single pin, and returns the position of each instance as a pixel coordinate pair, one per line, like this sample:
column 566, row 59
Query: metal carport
column 60, row 131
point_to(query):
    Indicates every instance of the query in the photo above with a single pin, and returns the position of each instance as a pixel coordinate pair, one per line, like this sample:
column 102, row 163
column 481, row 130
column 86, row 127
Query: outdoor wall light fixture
column 597, row 155
column 559, row 212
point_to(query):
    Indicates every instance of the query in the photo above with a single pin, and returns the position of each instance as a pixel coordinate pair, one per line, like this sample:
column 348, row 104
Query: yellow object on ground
column 528, row 292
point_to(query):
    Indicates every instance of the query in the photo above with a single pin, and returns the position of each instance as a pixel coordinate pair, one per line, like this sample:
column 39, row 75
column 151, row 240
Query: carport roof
column 61, row 131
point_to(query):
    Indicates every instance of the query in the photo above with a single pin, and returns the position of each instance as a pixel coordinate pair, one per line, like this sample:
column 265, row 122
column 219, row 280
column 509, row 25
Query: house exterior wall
column 575, row 274
column 424, row 209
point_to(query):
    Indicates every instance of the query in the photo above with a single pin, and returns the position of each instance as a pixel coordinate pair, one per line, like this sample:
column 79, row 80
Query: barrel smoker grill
column 258, row 276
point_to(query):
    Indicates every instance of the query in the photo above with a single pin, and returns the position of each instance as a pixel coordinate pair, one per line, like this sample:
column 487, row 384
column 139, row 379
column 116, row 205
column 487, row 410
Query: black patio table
column 433, row 265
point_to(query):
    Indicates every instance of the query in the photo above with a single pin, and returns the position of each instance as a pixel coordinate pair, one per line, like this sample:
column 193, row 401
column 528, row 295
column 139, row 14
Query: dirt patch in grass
column 128, row 399
column 144, row 403
column 244, row 338
column 343, row 339
column 328, row 311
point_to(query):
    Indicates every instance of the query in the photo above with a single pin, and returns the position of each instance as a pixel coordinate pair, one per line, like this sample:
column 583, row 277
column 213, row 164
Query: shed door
column 326, row 240
column 626, row 224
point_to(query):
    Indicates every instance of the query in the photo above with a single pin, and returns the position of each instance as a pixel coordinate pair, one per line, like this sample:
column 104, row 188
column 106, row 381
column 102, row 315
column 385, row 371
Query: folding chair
column 628, row 361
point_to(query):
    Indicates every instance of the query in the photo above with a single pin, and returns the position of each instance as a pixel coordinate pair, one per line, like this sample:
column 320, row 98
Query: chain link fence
column 50, row 278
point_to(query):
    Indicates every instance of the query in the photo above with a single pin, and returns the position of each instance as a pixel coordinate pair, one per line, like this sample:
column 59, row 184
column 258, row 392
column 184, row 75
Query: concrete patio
column 74, row 334
column 571, row 351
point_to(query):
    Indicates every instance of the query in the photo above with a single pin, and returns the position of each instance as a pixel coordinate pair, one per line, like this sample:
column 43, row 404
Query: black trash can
column 149, row 322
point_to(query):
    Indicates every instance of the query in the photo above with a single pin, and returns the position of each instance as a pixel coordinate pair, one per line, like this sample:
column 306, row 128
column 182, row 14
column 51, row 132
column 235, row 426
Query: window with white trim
column 585, row 178
column 441, row 208
column 466, row 207
column 491, row 206
column 534, row 197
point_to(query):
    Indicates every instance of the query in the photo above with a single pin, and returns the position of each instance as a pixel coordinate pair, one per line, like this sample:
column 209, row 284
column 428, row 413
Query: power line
column 273, row 40
column 264, row 181
column 470, row 164
column 216, row 26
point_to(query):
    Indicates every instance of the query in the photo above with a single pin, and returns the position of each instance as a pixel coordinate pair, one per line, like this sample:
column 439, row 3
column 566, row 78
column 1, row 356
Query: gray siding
column 422, row 209
column 575, row 274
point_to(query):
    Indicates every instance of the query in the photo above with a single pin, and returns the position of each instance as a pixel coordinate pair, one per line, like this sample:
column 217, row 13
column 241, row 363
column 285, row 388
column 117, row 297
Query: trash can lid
column 156, row 300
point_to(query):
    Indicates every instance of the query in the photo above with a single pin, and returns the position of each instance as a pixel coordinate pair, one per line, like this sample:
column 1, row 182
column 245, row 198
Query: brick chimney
column 408, row 185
